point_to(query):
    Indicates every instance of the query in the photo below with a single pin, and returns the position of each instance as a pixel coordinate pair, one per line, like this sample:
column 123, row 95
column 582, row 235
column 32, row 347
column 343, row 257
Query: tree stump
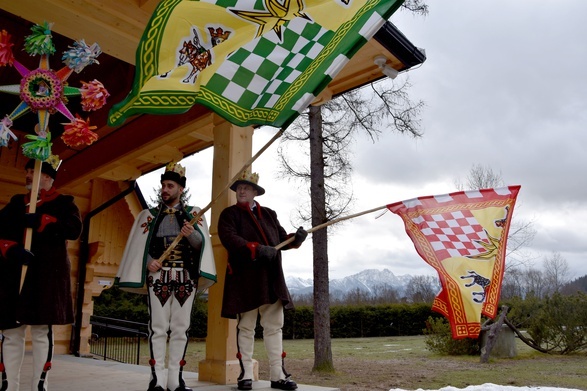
column 504, row 343
column 498, row 339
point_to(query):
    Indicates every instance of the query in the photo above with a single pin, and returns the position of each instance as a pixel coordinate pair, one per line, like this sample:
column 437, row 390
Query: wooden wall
column 108, row 231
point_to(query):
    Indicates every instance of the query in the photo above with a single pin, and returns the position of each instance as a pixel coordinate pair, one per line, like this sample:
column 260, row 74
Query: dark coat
column 46, row 294
column 249, row 283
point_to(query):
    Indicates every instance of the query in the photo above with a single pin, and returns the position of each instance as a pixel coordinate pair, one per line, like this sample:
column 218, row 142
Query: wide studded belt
column 174, row 259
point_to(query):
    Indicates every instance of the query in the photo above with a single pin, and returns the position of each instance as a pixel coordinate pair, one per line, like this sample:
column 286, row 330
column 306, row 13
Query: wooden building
column 101, row 176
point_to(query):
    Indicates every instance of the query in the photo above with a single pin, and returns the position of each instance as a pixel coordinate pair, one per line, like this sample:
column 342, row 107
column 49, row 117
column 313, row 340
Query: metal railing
column 116, row 339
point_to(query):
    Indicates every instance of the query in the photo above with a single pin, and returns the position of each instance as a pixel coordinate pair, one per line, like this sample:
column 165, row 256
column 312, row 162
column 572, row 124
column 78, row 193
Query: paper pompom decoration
column 45, row 92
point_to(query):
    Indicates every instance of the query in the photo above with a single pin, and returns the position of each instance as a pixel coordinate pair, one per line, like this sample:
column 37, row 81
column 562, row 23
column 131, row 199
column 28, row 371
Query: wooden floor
column 71, row 373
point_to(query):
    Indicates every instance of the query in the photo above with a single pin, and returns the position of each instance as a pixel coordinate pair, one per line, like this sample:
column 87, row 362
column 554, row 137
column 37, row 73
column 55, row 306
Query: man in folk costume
column 45, row 298
column 171, row 282
column 255, row 284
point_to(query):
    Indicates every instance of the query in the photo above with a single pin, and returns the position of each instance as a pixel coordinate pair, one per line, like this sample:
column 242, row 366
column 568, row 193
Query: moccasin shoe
column 245, row 384
column 284, row 384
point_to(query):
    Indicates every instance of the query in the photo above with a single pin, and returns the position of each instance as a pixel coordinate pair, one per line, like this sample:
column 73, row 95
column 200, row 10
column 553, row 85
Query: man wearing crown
column 255, row 284
column 45, row 298
column 171, row 281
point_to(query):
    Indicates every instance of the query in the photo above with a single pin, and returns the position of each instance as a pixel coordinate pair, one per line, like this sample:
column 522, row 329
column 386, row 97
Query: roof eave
column 397, row 44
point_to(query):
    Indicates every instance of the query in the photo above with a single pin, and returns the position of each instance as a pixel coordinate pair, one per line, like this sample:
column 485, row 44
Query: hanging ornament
column 40, row 42
column 6, row 56
column 39, row 148
column 79, row 133
column 93, row 95
column 44, row 91
column 5, row 133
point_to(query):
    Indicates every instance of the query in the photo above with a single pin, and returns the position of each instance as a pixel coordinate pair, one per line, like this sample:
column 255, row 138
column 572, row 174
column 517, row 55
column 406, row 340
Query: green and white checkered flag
column 251, row 62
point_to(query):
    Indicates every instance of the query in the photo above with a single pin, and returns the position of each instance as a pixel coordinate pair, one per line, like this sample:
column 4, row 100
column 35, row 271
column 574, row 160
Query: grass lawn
column 371, row 364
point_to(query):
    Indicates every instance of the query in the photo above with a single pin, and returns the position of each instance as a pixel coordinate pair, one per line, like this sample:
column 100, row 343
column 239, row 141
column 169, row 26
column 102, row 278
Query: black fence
column 117, row 340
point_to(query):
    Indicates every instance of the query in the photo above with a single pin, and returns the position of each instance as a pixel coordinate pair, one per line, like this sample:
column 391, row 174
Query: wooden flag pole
column 326, row 224
column 28, row 236
column 197, row 217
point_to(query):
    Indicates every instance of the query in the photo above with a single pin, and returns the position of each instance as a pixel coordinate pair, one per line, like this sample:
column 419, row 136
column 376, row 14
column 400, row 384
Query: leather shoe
column 158, row 388
column 284, row 384
column 182, row 388
column 245, row 384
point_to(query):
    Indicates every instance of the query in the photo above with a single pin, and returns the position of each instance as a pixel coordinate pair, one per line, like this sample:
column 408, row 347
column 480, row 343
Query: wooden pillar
column 232, row 149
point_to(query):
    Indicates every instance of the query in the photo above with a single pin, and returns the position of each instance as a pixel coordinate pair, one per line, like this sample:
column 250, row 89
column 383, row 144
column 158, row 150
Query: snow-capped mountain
column 366, row 281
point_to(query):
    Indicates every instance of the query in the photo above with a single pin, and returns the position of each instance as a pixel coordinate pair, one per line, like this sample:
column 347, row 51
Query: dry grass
column 373, row 364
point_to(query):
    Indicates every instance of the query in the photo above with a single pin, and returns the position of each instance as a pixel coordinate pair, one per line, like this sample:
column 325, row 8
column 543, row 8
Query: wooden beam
column 122, row 172
column 116, row 25
column 135, row 138
column 163, row 154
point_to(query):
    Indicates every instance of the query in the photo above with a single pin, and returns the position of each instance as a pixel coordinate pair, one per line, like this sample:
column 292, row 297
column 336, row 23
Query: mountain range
column 370, row 280
column 367, row 281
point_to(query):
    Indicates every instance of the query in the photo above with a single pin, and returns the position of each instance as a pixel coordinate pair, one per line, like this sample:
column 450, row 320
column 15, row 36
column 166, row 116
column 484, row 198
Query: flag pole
column 195, row 219
column 326, row 224
column 28, row 236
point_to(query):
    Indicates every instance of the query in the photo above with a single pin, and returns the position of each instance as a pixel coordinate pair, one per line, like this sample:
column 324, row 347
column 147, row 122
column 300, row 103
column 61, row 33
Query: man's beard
column 171, row 201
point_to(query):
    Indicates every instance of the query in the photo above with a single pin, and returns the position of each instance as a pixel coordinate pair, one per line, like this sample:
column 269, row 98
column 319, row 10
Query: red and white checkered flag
column 463, row 235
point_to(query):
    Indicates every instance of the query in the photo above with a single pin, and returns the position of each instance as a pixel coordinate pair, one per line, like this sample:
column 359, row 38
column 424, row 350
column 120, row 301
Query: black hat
column 174, row 172
column 49, row 166
column 250, row 178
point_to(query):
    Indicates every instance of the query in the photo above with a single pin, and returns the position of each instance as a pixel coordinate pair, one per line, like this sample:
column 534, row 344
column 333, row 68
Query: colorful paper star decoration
column 44, row 91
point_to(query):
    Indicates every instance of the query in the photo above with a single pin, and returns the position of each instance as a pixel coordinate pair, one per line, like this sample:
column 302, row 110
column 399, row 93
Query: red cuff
column 5, row 245
column 46, row 220
column 252, row 246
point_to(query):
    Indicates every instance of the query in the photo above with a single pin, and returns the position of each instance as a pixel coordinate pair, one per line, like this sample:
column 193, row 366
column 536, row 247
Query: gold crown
column 248, row 176
column 176, row 167
column 54, row 161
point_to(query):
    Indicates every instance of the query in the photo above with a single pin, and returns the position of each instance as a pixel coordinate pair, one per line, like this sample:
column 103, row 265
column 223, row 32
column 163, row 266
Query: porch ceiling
column 146, row 142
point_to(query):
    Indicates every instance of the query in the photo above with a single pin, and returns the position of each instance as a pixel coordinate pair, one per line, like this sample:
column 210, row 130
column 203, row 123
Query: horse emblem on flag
column 197, row 55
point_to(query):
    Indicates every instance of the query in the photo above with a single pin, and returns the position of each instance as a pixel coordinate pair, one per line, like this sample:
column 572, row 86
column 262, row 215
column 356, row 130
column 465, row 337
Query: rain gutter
column 397, row 44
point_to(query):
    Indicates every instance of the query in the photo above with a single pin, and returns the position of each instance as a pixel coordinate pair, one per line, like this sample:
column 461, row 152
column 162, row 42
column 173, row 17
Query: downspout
column 84, row 255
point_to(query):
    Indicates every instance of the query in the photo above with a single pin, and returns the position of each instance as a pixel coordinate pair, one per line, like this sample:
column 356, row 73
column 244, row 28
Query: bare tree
column 418, row 7
column 322, row 343
column 422, row 289
column 480, row 177
column 385, row 294
column 534, row 281
column 368, row 110
column 357, row 296
column 556, row 273
column 329, row 171
column 330, row 135
column 513, row 284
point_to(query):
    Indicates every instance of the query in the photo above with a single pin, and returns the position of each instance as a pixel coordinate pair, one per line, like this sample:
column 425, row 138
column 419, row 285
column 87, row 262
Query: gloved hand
column 266, row 253
column 299, row 237
column 19, row 254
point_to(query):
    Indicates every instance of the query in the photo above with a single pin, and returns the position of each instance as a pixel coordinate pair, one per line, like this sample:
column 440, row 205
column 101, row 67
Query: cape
column 132, row 272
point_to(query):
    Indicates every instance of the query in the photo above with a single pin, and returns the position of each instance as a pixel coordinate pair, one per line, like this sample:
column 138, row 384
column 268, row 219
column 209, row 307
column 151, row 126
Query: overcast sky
column 505, row 87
